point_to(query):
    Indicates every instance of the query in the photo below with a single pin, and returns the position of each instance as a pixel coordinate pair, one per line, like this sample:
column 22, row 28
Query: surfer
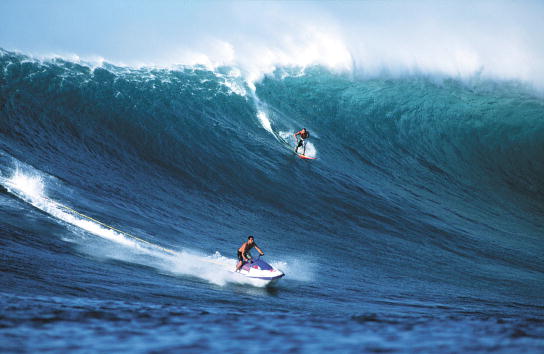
column 243, row 251
column 304, row 134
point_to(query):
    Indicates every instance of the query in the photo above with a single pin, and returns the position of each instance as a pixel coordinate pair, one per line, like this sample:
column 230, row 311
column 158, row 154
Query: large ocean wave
column 417, row 176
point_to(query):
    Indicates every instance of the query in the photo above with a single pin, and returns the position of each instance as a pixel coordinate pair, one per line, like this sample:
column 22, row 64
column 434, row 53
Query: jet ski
column 260, row 271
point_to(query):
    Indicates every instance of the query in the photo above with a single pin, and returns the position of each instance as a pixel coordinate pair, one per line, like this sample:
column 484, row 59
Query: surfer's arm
column 259, row 250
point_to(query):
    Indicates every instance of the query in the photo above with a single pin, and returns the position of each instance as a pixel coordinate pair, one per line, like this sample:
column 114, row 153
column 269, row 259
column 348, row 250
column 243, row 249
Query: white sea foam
column 310, row 149
column 31, row 188
column 265, row 122
column 298, row 268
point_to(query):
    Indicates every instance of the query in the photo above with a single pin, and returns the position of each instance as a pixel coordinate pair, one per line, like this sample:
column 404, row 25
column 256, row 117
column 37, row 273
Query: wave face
column 427, row 197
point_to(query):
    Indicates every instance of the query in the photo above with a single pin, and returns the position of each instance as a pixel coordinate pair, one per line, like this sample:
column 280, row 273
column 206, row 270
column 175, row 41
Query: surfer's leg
column 299, row 144
column 240, row 261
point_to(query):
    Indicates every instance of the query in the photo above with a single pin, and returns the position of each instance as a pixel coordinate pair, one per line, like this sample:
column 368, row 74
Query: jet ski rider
column 304, row 134
column 243, row 251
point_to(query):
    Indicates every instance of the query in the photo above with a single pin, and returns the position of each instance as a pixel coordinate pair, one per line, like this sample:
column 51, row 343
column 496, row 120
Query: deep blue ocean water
column 418, row 228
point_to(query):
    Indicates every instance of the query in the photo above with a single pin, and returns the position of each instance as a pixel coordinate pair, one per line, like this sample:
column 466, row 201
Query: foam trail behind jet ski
column 216, row 269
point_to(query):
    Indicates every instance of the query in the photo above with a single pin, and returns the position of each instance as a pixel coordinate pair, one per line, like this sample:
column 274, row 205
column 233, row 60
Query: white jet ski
column 259, row 270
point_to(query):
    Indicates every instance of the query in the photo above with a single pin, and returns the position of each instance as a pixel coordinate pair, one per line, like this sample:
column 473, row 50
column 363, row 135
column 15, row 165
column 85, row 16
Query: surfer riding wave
column 304, row 134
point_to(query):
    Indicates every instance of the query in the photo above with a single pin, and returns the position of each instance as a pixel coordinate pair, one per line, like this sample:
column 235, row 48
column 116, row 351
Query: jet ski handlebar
column 251, row 260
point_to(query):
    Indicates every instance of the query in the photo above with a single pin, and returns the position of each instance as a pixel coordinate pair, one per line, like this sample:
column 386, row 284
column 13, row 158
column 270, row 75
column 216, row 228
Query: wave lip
column 496, row 40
